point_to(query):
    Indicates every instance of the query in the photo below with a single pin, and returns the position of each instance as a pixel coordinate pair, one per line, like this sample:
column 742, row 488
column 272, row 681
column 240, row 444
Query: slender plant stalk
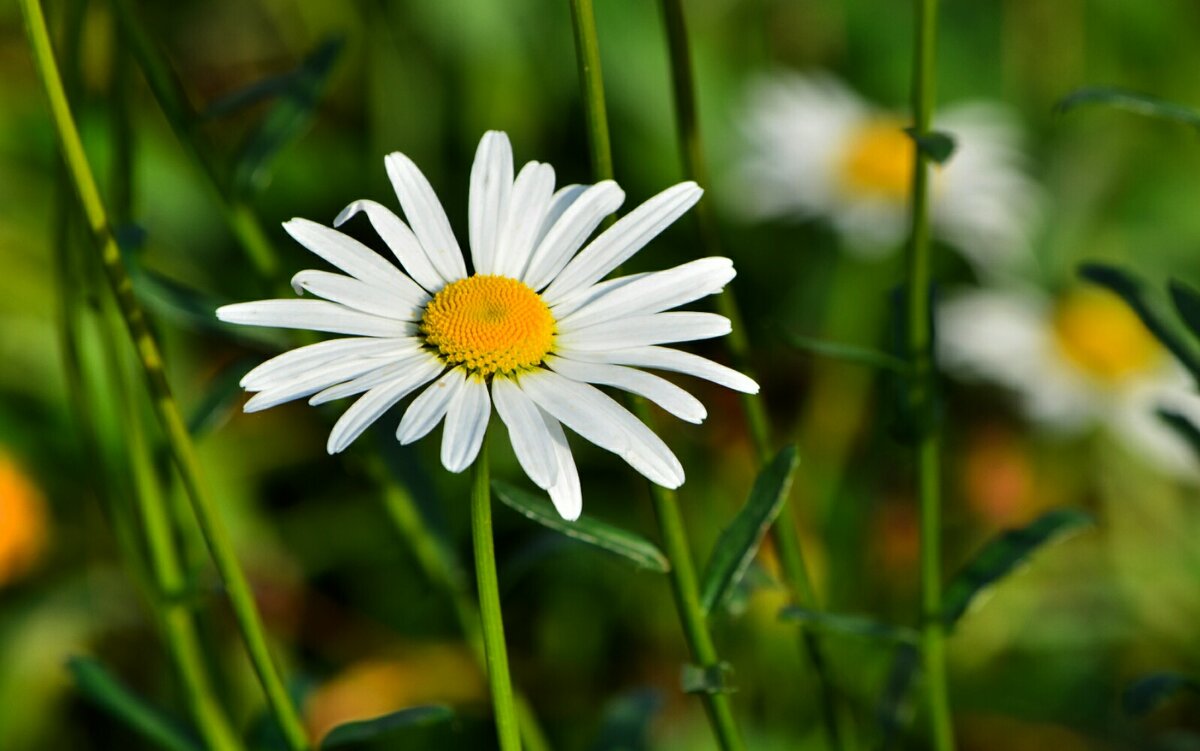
column 507, row 727
column 695, row 166
column 682, row 576
column 150, row 357
column 921, row 398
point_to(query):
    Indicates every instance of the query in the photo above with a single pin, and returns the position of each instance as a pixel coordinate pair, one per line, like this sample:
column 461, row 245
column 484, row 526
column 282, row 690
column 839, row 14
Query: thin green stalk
column 591, row 80
column 785, row 532
column 921, row 398
column 507, row 727
column 150, row 357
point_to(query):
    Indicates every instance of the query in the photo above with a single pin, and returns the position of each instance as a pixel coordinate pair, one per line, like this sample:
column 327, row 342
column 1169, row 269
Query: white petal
column 674, row 360
column 425, row 214
column 572, row 229
column 400, row 304
column 655, row 292
column 296, row 361
column 491, row 183
column 310, row 383
column 638, row 331
column 620, row 241
column 565, row 493
column 598, row 418
column 427, row 410
column 466, row 422
column 347, row 254
column 578, row 299
column 531, row 195
column 371, row 405
column 658, row 390
column 386, row 370
column 527, row 432
column 559, row 203
column 400, row 240
column 316, row 315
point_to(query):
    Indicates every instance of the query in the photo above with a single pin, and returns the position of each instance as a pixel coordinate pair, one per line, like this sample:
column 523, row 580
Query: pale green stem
column 921, row 398
column 150, row 357
column 507, row 727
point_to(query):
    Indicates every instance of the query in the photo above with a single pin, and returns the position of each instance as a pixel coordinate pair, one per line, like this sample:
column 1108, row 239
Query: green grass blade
column 388, row 726
column 1130, row 101
column 871, row 358
column 108, row 693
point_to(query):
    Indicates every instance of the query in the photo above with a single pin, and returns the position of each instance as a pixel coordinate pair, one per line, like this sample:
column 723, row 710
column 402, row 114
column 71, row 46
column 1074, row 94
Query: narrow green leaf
column 1148, row 692
column 625, row 722
column 739, row 542
column 936, row 145
column 605, row 536
column 1133, row 291
column 895, row 708
column 711, row 679
column 1130, row 101
column 1005, row 553
column 849, row 625
column 1187, row 303
column 871, row 358
column 108, row 693
column 288, row 118
column 387, row 726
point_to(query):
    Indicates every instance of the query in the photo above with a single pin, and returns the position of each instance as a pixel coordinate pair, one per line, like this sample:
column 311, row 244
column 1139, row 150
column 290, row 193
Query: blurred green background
column 1041, row 665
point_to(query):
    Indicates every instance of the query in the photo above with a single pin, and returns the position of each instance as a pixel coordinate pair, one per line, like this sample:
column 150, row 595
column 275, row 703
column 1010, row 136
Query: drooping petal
column 347, row 254
column 639, row 331
column 428, row 409
column 400, row 240
column 598, row 418
column 371, row 405
column 674, row 360
column 565, row 493
column 426, row 215
column 297, row 361
column 531, row 195
column 491, row 184
column 466, row 422
column 620, row 241
column 400, row 304
column 387, row 370
column 572, row 229
column 658, row 390
column 654, row 292
column 316, row 315
column 527, row 432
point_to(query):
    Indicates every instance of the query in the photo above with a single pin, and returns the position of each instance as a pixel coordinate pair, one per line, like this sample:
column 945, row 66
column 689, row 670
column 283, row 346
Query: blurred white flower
column 815, row 149
column 530, row 330
column 1078, row 360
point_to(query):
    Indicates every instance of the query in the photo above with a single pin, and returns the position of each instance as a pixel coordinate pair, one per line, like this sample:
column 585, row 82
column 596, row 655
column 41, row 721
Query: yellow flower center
column 490, row 324
column 1096, row 331
column 23, row 521
column 878, row 161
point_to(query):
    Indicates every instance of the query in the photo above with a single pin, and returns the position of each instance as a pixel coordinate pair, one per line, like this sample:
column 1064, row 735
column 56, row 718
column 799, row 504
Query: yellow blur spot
column 1096, row 331
column 490, row 324
column 878, row 162
column 23, row 523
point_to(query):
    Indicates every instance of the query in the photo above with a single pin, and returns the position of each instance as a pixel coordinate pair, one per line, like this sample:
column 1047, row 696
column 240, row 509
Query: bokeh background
column 595, row 643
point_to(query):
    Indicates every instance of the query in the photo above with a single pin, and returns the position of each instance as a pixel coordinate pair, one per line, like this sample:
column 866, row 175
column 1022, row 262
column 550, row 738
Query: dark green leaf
column 387, row 726
column 1148, row 692
column 108, row 693
column 625, row 723
column 1005, row 553
column 1134, row 293
column 713, row 679
column 936, row 145
column 1183, row 427
column 608, row 537
column 288, row 118
column 1187, row 304
column 849, row 625
column 1130, row 101
column 739, row 542
column 871, row 358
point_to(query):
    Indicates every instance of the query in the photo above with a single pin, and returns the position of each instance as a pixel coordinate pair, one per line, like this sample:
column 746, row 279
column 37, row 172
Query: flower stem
column 683, row 574
column 150, row 357
column 921, row 397
column 507, row 727
column 695, row 166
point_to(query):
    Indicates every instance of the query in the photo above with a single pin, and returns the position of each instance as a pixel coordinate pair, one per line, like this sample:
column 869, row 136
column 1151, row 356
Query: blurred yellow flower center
column 878, row 161
column 1098, row 332
column 23, row 523
column 490, row 324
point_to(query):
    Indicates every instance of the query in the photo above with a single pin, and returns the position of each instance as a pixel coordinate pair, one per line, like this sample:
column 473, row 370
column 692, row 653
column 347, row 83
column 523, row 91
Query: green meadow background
column 595, row 642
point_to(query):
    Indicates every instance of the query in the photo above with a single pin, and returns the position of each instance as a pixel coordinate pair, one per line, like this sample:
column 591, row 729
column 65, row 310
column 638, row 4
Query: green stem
column 921, row 397
column 591, row 82
column 150, row 357
column 785, row 532
column 507, row 728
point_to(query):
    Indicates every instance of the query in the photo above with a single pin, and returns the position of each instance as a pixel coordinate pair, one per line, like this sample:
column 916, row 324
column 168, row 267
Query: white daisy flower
column 1076, row 361
column 817, row 149
column 530, row 330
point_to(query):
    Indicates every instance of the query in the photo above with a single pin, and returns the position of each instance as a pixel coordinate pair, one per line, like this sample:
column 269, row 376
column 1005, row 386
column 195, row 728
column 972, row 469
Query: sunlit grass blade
column 103, row 689
column 1130, row 101
column 739, row 542
column 850, row 625
column 625, row 722
column 621, row 542
column 390, row 727
column 871, row 358
column 1150, row 691
column 1004, row 554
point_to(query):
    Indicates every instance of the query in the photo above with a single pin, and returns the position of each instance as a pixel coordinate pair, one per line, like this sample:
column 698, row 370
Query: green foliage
column 625, row 723
column 626, row 544
column 1130, row 101
column 710, row 679
column 871, row 358
column 739, row 542
column 390, row 727
column 849, row 625
column 1150, row 691
column 104, row 690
